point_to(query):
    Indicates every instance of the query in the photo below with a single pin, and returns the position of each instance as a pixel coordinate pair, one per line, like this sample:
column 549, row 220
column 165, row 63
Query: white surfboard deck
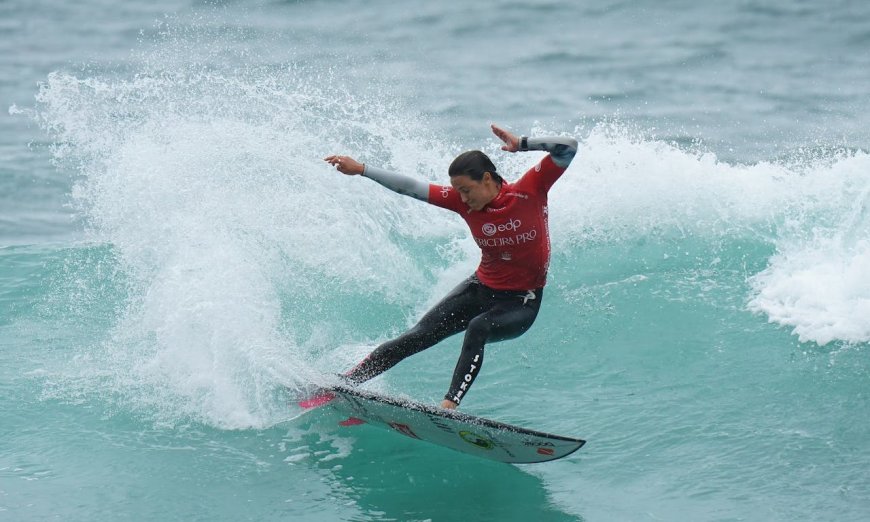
column 452, row 429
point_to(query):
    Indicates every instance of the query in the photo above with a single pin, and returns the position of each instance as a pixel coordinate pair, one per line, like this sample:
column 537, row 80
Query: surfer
column 508, row 221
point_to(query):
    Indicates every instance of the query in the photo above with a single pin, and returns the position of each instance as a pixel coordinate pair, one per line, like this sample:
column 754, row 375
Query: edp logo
column 489, row 229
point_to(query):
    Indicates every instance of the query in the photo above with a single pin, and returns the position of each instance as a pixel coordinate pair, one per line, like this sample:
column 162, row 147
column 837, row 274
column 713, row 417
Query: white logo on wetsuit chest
column 490, row 230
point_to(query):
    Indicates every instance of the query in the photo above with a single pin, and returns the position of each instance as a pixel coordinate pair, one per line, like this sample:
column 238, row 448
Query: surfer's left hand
column 511, row 142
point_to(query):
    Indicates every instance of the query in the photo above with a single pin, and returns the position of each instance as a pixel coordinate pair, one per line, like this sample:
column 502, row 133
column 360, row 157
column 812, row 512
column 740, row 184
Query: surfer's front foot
column 449, row 405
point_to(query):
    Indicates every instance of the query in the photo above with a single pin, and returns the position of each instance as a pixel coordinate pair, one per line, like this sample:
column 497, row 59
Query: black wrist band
column 524, row 143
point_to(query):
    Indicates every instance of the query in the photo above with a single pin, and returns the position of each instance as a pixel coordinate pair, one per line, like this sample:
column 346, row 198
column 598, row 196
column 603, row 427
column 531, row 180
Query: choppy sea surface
column 176, row 260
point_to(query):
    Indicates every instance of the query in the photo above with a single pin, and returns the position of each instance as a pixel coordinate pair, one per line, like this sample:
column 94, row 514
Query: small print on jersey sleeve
column 445, row 197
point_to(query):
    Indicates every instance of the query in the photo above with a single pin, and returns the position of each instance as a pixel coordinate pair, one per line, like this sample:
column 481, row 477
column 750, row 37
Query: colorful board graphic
column 452, row 429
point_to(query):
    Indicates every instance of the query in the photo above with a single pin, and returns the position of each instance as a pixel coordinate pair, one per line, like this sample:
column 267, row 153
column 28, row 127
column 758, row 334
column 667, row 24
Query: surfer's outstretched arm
column 405, row 185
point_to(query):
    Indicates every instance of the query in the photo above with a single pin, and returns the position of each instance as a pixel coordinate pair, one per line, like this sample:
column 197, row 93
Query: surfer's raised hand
column 345, row 165
column 511, row 142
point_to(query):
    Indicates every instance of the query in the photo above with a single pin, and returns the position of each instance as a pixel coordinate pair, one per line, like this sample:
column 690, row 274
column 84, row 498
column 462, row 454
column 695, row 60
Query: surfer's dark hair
column 473, row 164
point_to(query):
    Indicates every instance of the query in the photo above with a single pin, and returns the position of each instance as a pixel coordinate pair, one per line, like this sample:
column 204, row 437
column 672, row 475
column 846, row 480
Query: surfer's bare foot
column 450, row 405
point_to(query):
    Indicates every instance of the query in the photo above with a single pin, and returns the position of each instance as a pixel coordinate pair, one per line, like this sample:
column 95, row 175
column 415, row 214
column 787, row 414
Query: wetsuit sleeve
column 544, row 174
column 405, row 185
column 561, row 148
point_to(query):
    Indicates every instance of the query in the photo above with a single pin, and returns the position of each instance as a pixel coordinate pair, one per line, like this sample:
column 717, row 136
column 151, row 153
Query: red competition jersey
column 511, row 230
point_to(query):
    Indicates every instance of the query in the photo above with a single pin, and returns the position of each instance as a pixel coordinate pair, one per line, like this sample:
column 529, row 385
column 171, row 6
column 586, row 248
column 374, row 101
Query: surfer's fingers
column 336, row 161
column 498, row 131
column 511, row 142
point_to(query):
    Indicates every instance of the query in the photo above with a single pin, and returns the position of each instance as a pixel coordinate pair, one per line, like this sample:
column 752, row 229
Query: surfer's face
column 475, row 194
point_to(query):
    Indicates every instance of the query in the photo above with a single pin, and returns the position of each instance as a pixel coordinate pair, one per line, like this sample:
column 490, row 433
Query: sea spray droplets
column 209, row 185
column 632, row 187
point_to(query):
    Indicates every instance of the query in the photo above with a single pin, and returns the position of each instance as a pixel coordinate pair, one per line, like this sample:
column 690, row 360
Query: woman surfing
column 508, row 221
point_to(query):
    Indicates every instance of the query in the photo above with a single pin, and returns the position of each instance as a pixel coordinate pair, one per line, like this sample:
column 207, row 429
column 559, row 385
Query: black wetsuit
column 485, row 314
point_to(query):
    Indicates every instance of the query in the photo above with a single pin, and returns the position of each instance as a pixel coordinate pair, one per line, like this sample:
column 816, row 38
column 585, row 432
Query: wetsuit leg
column 450, row 316
column 507, row 319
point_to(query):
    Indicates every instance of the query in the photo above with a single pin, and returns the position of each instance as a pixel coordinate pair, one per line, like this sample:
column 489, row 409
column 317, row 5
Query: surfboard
column 452, row 429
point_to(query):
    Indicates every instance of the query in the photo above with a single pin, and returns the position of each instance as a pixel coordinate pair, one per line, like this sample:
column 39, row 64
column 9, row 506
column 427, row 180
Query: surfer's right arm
column 405, row 185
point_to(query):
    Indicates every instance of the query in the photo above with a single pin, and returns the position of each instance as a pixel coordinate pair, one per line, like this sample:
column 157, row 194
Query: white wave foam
column 822, row 291
column 211, row 188
column 819, row 284
column 812, row 211
column 622, row 187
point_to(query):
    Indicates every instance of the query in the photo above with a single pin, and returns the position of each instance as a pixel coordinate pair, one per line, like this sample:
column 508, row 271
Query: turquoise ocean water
column 176, row 260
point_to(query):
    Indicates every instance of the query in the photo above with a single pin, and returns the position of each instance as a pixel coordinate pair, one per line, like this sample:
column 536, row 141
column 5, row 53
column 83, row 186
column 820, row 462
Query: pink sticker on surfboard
column 316, row 401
